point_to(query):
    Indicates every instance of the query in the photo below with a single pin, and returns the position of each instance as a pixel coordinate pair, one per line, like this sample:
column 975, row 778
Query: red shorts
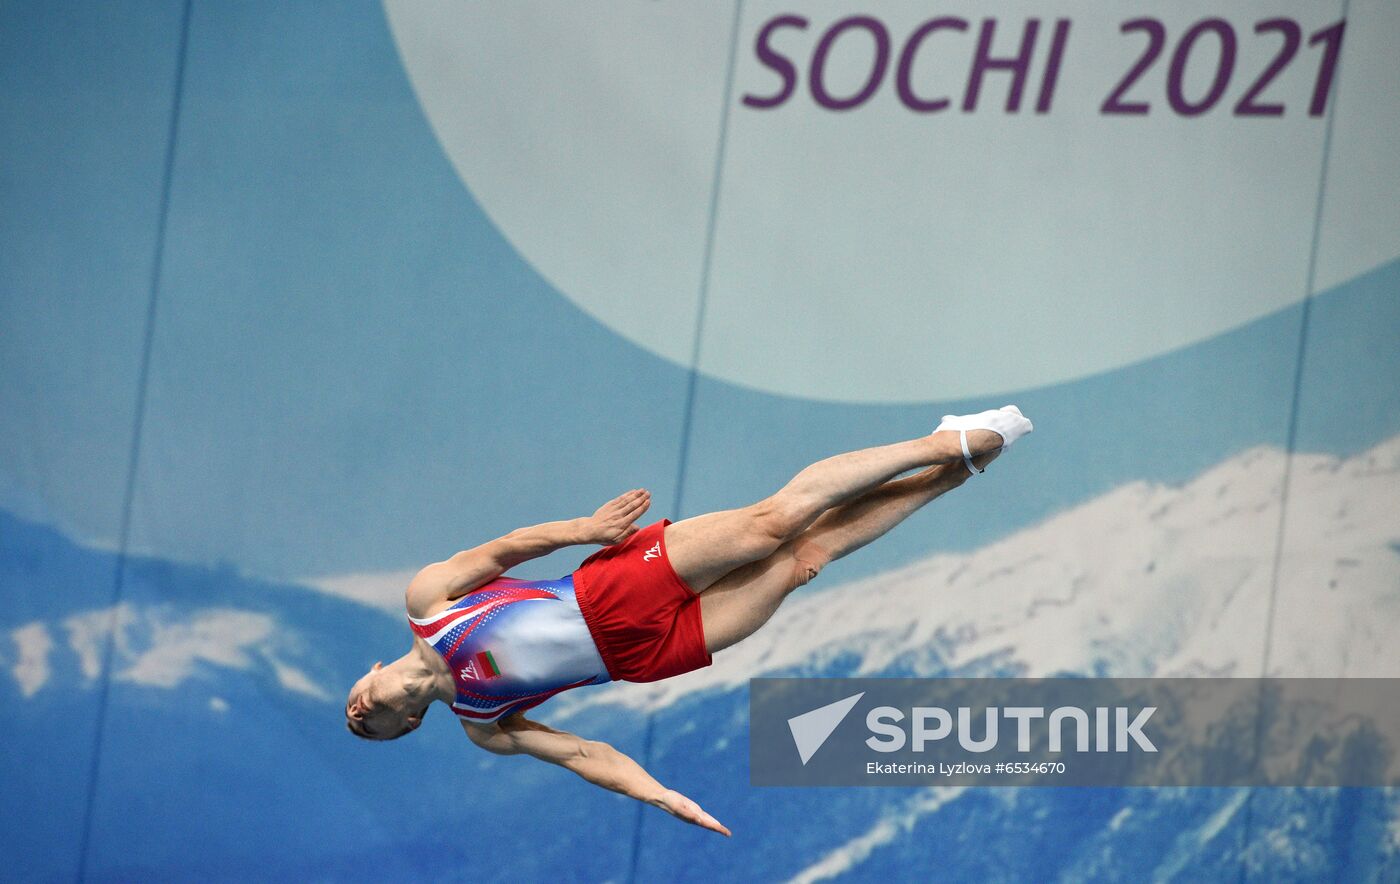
column 644, row 619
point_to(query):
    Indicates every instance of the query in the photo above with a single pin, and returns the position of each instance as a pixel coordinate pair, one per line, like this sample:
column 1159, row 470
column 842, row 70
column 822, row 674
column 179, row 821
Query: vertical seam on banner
column 137, row 423
column 1290, row 444
column 683, row 457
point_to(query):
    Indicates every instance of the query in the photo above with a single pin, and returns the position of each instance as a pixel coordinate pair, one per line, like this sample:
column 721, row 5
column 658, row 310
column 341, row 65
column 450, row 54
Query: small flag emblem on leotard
column 480, row 667
column 485, row 665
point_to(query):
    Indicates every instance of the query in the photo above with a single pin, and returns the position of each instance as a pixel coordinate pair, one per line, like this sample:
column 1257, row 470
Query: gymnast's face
column 377, row 707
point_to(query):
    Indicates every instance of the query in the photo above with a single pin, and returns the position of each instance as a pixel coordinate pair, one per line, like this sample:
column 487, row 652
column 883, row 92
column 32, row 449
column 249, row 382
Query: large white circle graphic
column 890, row 248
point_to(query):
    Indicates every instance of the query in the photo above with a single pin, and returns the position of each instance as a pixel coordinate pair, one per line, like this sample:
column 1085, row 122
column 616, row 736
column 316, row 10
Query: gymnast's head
column 379, row 706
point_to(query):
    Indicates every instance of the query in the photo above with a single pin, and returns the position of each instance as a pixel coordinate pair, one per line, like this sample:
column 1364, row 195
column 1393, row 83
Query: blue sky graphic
column 352, row 370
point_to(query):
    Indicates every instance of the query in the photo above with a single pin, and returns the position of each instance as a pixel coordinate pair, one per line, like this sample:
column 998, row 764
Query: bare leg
column 705, row 548
column 743, row 600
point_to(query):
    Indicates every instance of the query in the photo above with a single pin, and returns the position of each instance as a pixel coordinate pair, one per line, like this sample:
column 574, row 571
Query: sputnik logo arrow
column 811, row 729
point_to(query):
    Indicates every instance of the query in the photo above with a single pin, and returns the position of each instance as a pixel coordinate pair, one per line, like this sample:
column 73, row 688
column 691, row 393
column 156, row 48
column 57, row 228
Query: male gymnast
column 653, row 603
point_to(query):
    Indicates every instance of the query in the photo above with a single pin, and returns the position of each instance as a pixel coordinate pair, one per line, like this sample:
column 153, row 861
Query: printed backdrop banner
column 295, row 299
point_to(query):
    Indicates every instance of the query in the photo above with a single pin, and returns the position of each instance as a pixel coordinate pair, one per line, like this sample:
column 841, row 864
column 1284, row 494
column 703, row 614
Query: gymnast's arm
column 596, row 762
column 473, row 568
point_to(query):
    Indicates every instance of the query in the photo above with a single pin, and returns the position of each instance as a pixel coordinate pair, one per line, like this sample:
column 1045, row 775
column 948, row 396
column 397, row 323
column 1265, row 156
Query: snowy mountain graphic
column 222, row 672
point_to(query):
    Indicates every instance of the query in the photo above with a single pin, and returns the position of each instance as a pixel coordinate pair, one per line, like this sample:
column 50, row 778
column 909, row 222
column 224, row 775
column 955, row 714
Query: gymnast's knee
column 776, row 519
column 808, row 560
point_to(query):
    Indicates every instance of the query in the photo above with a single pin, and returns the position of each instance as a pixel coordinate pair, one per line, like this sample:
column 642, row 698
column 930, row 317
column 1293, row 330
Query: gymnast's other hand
column 616, row 520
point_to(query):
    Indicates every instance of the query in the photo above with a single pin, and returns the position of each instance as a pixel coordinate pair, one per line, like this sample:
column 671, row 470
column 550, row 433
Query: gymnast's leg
column 705, row 548
column 743, row 600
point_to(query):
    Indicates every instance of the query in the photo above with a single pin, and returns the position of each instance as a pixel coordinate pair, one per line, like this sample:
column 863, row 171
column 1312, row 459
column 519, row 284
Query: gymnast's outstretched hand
column 595, row 761
column 682, row 808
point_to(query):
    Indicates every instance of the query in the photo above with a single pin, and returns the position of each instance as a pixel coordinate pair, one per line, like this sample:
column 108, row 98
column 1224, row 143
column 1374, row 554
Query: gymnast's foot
column 985, row 432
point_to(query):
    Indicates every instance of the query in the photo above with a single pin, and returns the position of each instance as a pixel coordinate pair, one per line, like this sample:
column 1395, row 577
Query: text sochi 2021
column 951, row 63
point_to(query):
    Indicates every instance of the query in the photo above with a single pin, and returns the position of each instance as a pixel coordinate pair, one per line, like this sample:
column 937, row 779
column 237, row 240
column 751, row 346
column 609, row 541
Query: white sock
column 1007, row 422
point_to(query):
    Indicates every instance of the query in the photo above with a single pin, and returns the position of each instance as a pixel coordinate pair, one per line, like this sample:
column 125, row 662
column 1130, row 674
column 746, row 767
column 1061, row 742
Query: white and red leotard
column 512, row 644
